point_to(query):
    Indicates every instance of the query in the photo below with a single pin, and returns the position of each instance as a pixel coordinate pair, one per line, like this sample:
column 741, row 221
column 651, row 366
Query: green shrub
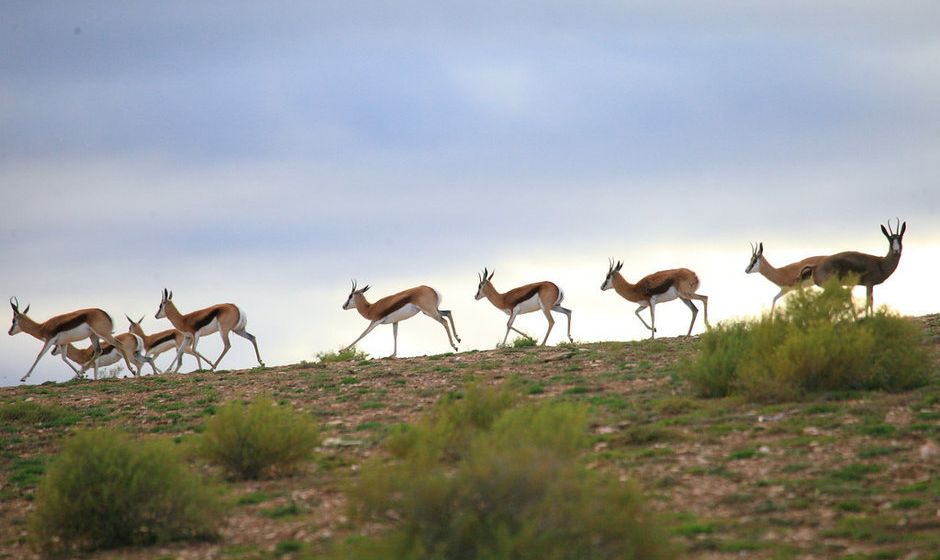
column 106, row 490
column 351, row 354
column 523, row 342
column 818, row 343
column 258, row 439
column 514, row 489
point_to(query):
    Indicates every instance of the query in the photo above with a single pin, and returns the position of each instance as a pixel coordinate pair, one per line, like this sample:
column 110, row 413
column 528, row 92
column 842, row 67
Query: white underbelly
column 212, row 327
column 162, row 347
column 405, row 312
column 668, row 295
column 80, row 332
column 529, row 305
column 112, row 357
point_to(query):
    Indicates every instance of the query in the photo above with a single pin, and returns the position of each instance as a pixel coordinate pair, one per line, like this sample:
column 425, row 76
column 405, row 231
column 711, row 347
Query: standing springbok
column 787, row 278
column 224, row 318
column 540, row 295
column 398, row 307
column 132, row 345
column 659, row 287
column 158, row 343
column 867, row 270
column 93, row 324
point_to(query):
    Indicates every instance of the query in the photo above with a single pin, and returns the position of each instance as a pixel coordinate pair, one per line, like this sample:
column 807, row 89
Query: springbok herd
column 137, row 348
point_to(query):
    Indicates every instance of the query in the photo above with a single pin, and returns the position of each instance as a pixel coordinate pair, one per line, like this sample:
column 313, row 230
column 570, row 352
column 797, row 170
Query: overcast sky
column 266, row 153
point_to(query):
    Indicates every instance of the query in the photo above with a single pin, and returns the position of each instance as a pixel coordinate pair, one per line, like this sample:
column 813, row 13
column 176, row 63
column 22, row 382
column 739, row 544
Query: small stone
column 929, row 451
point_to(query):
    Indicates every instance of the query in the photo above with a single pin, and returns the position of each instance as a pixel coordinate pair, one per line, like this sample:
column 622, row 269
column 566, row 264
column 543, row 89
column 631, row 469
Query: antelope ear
column 491, row 275
column 170, row 296
column 619, row 266
column 141, row 320
column 903, row 228
column 25, row 311
column 884, row 231
column 760, row 248
column 366, row 289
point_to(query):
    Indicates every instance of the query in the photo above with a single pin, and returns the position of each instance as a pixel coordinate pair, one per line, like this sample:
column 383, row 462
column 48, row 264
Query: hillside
column 853, row 474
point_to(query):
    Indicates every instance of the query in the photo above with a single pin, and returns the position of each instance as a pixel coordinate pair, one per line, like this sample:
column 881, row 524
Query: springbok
column 867, row 270
column 398, row 307
column 222, row 318
column 93, row 324
column 659, row 287
column 540, row 295
column 132, row 345
column 158, row 343
column 787, row 278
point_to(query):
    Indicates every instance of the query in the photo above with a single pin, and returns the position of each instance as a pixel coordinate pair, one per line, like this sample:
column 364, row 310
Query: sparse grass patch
column 106, row 490
column 259, row 439
column 32, row 413
column 522, row 342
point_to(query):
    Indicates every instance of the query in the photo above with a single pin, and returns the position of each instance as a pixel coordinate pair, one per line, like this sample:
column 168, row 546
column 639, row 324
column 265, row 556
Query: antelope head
column 135, row 327
column 15, row 327
column 351, row 300
column 894, row 237
column 611, row 272
column 167, row 296
column 484, row 280
column 757, row 254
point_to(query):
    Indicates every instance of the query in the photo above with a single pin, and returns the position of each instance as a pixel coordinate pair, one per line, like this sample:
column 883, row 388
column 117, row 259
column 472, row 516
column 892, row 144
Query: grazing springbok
column 93, row 324
column 540, row 295
column 398, row 307
column 132, row 345
column 867, row 270
column 659, row 287
column 222, row 318
column 787, row 278
column 158, row 343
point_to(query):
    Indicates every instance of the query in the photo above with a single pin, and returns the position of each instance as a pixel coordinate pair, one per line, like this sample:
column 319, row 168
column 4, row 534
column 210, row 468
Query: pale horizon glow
column 266, row 154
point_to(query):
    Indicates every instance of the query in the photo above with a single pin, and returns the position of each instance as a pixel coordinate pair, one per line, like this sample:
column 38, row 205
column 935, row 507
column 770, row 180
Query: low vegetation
column 480, row 479
column 819, row 343
column 257, row 440
column 351, row 354
column 106, row 490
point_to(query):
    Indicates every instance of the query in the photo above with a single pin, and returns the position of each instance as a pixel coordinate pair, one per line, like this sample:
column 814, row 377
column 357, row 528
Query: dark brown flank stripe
column 165, row 338
column 391, row 307
column 659, row 288
column 516, row 300
column 207, row 319
column 71, row 323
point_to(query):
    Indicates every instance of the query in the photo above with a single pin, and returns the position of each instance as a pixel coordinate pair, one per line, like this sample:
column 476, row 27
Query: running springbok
column 222, row 318
column 398, row 307
column 93, row 324
column 540, row 295
column 158, row 343
column 132, row 345
column 659, row 287
column 787, row 278
column 867, row 270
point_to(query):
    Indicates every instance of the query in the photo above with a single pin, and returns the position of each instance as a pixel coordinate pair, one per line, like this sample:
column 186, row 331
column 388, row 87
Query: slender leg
column 254, row 342
column 45, row 348
column 869, row 300
column 567, row 312
column 449, row 315
column 776, row 297
column 640, row 317
column 512, row 318
column 394, row 339
column 226, row 344
column 113, row 342
column 551, row 323
column 694, row 309
column 441, row 320
column 178, row 359
column 371, row 326
column 195, row 341
column 704, row 300
column 652, row 319
column 80, row 371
